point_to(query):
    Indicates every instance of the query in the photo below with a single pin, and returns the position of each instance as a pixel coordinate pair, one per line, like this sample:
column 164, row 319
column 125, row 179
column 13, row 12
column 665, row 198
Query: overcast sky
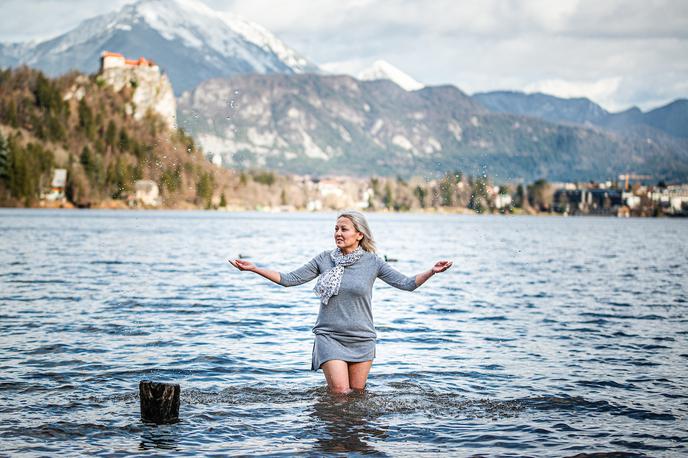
column 618, row 53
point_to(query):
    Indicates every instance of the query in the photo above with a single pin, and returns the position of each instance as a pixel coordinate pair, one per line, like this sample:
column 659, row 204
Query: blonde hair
column 360, row 225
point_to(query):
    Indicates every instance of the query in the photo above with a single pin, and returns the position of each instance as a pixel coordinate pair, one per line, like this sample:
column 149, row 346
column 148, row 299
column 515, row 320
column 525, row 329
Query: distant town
column 624, row 197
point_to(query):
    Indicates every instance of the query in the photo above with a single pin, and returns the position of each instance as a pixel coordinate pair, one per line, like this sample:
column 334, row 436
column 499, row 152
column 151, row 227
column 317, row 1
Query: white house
column 57, row 185
column 147, row 192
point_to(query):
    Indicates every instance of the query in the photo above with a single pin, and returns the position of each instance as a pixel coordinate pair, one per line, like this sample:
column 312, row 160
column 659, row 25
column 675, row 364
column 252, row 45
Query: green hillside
column 77, row 123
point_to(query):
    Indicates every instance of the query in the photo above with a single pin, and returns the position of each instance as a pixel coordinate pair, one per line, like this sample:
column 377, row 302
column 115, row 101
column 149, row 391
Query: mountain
column 314, row 124
column 671, row 119
column 543, row 106
column 382, row 70
column 188, row 40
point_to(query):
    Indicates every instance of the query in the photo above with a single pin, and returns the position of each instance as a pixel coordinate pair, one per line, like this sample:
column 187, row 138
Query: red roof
column 141, row 62
column 111, row 54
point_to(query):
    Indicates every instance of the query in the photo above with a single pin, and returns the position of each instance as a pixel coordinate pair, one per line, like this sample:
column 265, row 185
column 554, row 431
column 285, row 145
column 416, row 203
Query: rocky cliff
column 152, row 90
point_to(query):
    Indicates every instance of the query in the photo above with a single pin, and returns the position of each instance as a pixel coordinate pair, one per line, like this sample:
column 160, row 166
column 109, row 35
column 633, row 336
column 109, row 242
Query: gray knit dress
column 344, row 329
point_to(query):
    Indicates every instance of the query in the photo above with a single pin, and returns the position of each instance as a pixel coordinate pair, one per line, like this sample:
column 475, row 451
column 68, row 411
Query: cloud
column 345, row 67
column 24, row 20
column 603, row 90
column 498, row 44
column 478, row 46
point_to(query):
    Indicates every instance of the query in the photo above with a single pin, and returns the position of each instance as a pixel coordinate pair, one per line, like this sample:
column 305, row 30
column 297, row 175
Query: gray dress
column 344, row 329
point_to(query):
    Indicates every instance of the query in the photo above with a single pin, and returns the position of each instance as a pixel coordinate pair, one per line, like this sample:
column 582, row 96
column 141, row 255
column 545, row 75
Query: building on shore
column 57, row 186
column 672, row 199
column 146, row 193
column 602, row 201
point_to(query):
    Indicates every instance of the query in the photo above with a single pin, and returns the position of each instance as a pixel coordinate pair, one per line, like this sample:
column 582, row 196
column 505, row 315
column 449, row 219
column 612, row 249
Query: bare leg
column 337, row 376
column 358, row 374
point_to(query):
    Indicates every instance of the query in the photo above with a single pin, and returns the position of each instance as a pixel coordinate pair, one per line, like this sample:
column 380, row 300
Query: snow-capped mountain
column 382, row 70
column 190, row 41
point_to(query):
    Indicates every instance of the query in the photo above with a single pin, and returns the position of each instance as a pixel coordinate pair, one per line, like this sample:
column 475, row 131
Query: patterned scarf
column 329, row 282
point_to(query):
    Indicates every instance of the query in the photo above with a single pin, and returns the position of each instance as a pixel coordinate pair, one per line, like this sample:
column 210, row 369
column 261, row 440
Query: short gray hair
column 361, row 225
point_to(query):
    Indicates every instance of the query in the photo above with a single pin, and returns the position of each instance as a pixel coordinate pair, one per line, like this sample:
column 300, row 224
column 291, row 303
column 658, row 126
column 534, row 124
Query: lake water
column 548, row 337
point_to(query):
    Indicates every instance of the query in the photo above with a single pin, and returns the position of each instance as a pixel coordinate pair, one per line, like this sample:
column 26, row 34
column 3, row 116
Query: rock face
column 152, row 89
column 314, row 124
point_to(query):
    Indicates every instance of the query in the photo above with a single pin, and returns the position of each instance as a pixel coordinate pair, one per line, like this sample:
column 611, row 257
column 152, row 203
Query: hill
column 315, row 124
column 671, row 119
column 81, row 124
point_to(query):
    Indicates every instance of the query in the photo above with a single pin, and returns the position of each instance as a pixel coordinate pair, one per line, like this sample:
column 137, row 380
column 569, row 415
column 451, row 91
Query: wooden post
column 159, row 401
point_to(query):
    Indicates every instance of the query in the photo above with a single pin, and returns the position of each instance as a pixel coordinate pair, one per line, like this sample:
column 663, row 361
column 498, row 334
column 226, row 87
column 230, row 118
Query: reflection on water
column 159, row 437
column 548, row 337
column 342, row 425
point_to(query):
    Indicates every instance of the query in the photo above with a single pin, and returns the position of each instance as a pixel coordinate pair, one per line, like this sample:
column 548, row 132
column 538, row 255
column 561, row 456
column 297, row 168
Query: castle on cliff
column 116, row 60
column 152, row 88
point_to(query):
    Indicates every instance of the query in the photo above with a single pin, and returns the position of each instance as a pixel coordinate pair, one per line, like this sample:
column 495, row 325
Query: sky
column 618, row 53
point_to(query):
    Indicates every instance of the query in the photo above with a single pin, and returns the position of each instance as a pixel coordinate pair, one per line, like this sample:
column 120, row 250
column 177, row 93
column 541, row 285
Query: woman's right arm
column 249, row 266
column 302, row 275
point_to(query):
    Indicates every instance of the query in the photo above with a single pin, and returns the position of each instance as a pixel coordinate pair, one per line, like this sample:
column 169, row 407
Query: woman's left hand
column 441, row 266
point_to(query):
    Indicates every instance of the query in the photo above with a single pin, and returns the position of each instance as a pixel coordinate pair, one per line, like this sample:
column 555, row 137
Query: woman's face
column 345, row 236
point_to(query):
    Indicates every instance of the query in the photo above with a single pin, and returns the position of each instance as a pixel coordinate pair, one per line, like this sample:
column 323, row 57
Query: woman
column 344, row 345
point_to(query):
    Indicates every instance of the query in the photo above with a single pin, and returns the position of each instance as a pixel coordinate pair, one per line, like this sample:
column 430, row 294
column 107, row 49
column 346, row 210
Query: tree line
column 77, row 123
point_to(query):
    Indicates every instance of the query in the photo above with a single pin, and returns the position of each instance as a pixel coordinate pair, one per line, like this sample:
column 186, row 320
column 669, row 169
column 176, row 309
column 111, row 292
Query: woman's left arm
column 440, row 266
column 395, row 278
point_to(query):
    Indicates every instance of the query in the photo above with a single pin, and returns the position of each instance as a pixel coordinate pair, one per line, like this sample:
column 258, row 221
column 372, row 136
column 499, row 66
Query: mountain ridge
column 671, row 118
column 320, row 124
column 384, row 70
column 187, row 39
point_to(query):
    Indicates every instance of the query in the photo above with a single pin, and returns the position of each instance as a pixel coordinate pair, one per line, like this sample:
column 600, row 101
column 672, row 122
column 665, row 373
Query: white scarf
column 329, row 282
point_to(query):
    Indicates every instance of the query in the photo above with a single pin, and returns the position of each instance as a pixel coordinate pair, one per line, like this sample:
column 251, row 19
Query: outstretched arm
column 440, row 266
column 302, row 275
column 395, row 278
column 250, row 267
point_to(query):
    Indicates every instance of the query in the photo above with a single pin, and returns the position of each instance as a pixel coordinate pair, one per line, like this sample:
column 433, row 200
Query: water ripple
column 548, row 337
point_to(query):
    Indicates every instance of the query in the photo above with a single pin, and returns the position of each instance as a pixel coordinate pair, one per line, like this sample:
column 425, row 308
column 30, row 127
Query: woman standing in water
column 344, row 345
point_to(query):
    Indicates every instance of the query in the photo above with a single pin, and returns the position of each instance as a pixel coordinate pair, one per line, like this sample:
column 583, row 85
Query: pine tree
column 420, row 193
column 110, row 134
column 388, row 198
column 4, row 151
column 86, row 119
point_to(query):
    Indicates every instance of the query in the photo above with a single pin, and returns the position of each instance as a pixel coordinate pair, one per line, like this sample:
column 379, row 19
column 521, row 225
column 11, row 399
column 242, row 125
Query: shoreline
column 457, row 212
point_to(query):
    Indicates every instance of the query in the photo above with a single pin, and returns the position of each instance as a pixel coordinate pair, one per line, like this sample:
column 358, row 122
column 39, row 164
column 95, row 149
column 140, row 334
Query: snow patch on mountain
column 191, row 41
column 382, row 70
column 199, row 26
column 262, row 37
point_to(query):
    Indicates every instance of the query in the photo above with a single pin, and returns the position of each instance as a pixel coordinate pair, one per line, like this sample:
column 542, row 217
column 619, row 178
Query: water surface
column 548, row 336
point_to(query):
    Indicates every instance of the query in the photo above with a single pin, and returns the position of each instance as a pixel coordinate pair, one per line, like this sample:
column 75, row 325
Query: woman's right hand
column 242, row 265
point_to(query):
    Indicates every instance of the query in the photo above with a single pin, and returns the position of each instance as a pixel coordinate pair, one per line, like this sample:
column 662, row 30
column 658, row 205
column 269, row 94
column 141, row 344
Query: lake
column 549, row 336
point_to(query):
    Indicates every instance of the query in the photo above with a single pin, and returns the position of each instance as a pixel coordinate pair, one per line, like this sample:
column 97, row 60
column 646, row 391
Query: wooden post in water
column 159, row 401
